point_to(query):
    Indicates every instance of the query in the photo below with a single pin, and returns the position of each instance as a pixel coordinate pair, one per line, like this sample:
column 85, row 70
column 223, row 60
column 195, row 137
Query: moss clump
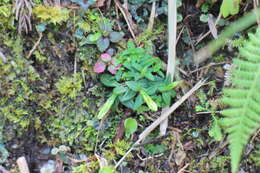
column 70, row 86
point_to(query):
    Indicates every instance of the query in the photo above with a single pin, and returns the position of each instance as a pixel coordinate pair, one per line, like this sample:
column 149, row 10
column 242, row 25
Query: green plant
column 7, row 18
column 153, row 149
column 4, row 154
column 140, row 9
column 118, row 148
column 106, row 61
column 51, row 14
column 130, row 126
column 104, row 36
column 70, row 86
column 243, row 116
column 62, row 152
column 139, row 80
column 82, row 168
column 17, row 97
column 229, row 7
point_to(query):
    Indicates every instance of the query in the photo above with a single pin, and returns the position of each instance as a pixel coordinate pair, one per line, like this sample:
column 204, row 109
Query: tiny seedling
column 130, row 126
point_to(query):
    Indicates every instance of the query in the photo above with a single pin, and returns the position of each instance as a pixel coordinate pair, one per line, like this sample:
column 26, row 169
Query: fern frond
column 243, row 117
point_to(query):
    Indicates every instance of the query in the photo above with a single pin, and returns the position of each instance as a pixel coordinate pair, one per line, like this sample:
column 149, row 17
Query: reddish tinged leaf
column 105, row 57
column 99, row 67
column 113, row 69
column 113, row 60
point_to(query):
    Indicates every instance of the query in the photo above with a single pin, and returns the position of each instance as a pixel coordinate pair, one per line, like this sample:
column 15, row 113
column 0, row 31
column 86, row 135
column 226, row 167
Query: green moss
column 70, row 86
column 116, row 150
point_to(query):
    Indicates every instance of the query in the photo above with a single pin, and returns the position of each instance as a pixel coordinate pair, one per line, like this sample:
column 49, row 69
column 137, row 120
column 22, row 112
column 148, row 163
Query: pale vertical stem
column 171, row 63
column 172, row 34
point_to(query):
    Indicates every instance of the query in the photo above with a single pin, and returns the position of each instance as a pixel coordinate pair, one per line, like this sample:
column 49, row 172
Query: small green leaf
column 133, row 85
column 119, row 90
column 109, row 80
column 170, row 86
column 179, row 17
column 130, row 44
column 106, row 107
column 215, row 130
column 204, row 18
column 130, row 104
column 129, row 94
column 105, row 26
column 149, row 101
column 229, row 7
column 41, row 27
column 149, row 76
column 103, row 44
column 130, row 126
column 138, row 102
column 94, row 37
column 4, row 154
column 166, row 98
column 79, row 33
column 116, row 36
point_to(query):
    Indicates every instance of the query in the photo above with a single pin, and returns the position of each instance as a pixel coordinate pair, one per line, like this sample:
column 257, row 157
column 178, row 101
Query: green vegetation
column 243, row 117
column 81, row 80
column 139, row 80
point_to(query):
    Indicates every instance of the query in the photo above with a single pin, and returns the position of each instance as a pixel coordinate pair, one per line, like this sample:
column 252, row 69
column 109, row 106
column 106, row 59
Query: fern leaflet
column 242, row 118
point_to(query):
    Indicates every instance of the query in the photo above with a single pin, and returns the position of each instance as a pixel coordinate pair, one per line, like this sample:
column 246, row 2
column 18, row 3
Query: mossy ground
column 51, row 98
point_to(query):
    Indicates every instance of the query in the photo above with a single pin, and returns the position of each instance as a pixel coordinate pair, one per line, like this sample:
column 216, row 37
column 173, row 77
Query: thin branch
column 35, row 45
column 128, row 18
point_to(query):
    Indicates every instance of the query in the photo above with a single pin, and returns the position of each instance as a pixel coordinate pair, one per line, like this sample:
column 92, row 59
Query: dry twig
column 35, row 45
column 128, row 18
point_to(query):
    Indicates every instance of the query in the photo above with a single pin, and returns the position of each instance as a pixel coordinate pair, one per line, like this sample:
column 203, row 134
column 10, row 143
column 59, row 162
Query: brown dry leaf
column 180, row 156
